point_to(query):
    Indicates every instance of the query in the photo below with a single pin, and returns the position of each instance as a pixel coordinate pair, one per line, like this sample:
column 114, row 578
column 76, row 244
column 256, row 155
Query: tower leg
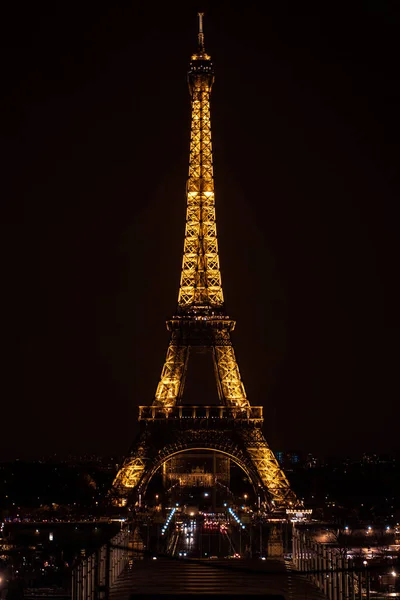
column 229, row 380
column 170, row 386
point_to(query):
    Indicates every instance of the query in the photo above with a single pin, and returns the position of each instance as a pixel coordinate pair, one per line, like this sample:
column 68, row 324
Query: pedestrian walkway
column 168, row 578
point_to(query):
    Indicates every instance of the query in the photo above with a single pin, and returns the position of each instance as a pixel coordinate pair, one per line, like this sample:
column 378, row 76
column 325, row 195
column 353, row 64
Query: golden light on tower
column 201, row 321
column 200, row 292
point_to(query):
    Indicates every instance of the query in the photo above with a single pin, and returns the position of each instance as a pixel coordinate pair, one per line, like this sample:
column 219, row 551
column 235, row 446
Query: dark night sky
column 94, row 141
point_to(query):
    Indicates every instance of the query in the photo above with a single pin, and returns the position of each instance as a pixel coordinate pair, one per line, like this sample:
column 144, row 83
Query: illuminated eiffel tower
column 169, row 426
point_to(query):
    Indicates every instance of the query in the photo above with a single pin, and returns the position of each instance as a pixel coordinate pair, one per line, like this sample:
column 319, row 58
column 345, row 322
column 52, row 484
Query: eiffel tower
column 234, row 426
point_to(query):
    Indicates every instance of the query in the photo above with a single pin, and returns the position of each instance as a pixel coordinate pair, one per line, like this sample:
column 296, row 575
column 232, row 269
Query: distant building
column 288, row 459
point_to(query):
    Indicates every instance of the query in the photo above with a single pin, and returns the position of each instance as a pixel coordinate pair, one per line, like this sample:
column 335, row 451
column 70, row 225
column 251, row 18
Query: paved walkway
column 168, row 578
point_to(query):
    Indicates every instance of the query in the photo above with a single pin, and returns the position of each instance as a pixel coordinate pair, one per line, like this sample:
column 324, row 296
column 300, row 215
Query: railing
column 93, row 576
column 337, row 576
column 152, row 413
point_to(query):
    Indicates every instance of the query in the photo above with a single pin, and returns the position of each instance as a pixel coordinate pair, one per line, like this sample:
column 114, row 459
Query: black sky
column 95, row 139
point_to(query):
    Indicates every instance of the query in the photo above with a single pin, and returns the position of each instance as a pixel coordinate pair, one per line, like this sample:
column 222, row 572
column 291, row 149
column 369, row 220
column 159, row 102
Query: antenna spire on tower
column 200, row 36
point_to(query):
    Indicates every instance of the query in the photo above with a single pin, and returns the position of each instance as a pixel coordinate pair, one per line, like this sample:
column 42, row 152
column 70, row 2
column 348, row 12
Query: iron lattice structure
column 201, row 321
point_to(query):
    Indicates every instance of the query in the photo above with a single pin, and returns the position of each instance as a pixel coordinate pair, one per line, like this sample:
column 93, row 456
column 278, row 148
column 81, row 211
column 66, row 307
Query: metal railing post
column 320, row 567
column 353, row 588
column 88, row 576
column 92, row 578
column 334, row 577
column 84, row 579
column 107, row 571
column 73, row 584
column 102, row 579
column 339, row 579
column 324, row 569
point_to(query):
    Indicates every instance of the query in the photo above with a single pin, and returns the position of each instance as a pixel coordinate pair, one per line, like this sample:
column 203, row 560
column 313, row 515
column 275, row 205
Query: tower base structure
column 234, row 433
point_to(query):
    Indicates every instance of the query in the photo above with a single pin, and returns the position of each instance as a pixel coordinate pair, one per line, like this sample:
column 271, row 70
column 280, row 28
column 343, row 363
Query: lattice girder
column 246, row 446
column 133, row 468
column 201, row 322
column 172, row 375
column 214, row 334
column 201, row 277
column 205, row 439
column 271, row 473
column 228, row 371
column 130, row 474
